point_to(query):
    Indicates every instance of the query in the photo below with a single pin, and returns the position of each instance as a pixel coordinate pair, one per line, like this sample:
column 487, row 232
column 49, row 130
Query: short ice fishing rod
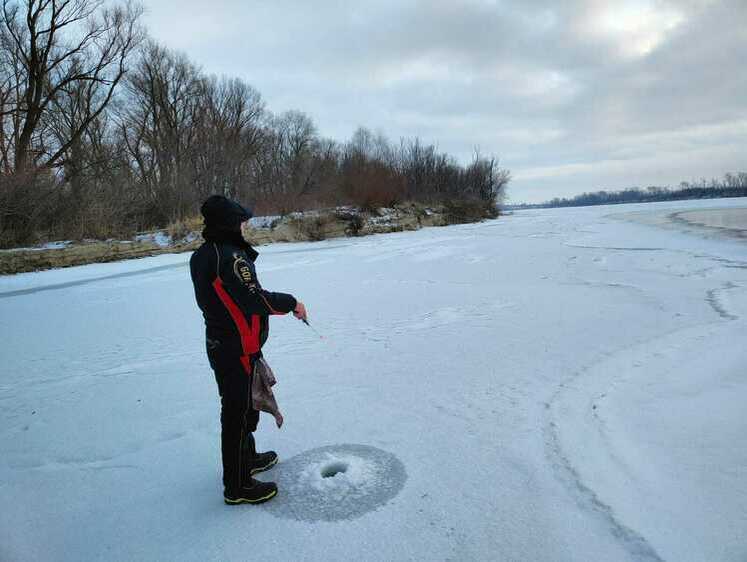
column 312, row 327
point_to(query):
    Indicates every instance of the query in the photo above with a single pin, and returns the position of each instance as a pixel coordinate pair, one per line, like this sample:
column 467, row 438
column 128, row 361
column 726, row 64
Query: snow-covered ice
column 558, row 384
column 733, row 220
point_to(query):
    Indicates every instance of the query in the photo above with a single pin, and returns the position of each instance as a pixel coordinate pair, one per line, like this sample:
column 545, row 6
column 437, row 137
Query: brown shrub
column 27, row 202
column 353, row 218
column 179, row 230
column 311, row 227
column 457, row 211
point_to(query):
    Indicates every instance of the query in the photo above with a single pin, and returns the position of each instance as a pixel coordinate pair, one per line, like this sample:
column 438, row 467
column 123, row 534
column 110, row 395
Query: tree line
column 732, row 185
column 104, row 132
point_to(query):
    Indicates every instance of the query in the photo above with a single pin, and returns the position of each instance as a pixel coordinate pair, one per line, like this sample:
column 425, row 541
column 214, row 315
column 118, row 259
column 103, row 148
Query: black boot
column 257, row 462
column 253, row 491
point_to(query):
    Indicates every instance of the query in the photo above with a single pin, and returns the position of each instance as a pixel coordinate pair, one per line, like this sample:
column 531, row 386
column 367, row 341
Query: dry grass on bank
column 309, row 226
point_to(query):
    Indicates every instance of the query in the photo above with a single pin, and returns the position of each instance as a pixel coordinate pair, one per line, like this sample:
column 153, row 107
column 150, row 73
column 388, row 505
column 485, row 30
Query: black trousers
column 237, row 417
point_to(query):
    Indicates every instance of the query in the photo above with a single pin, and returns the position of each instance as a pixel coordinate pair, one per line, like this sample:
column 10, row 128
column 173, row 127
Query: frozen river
column 729, row 221
column 558, row 384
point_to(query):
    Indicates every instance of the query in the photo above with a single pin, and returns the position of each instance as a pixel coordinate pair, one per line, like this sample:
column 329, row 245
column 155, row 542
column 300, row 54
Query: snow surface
column 265, row 222
column 558, row 384
column 160, row 238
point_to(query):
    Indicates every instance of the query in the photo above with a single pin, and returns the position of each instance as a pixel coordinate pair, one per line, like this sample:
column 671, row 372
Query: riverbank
column 295, row 227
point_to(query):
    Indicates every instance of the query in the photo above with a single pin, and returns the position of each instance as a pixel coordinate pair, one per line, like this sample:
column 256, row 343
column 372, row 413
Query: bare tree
column 299, row 133
column 64, row 45
column 80, row 156
column 230, row 138
column 160, row 125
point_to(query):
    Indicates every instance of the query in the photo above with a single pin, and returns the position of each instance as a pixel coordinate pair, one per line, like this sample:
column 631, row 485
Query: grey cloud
column 552, row 88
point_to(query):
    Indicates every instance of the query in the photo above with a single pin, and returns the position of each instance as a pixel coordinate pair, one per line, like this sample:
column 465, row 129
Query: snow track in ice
column 634, row 543
column 585, row 496
column 608, row 472
column 79, row 282
column 714, row 298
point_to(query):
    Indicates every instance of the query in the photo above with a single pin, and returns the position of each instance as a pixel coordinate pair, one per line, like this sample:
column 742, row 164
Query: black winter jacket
column 234, row 304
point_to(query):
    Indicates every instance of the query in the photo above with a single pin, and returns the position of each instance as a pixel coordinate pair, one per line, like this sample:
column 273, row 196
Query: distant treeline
column 104, row 132
column 732, row 185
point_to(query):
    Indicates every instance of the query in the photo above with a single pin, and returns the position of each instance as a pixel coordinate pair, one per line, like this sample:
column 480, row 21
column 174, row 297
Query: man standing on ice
column 236, row 310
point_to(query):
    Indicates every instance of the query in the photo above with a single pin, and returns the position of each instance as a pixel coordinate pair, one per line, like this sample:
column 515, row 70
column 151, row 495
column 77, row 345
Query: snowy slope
column 554, row 385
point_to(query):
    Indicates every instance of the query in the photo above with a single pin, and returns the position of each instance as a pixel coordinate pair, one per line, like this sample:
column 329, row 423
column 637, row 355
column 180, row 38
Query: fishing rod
column 312, row 327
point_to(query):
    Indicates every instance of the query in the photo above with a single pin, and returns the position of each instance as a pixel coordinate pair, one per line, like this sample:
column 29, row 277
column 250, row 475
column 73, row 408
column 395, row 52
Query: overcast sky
column 572, row 96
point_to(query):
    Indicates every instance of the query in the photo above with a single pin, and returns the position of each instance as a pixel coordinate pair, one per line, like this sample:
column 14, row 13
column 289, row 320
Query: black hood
column 223, row 219
column 221, row 212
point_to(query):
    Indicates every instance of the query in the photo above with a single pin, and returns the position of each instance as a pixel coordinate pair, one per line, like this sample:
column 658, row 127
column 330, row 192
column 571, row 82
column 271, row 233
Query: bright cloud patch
column 636, row 28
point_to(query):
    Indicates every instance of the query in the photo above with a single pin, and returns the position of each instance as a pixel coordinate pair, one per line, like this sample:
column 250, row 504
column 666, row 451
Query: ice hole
column 334, row 469
column 337, row 482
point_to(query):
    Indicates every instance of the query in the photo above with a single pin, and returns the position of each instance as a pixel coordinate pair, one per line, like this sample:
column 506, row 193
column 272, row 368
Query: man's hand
column 300, row 311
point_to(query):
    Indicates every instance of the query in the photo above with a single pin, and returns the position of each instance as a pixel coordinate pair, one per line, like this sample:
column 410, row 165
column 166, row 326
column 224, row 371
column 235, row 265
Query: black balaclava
column 223, row 218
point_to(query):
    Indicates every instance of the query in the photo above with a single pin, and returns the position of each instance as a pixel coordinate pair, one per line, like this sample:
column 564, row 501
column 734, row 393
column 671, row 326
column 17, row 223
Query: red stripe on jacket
column 249, row 336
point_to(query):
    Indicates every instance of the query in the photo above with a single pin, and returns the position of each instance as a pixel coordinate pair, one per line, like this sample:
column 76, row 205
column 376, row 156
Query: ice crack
column 635, row 543
column 712, row 298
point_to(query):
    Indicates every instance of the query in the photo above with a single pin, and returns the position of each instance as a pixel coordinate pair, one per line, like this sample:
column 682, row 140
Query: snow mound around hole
column 336, row 482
